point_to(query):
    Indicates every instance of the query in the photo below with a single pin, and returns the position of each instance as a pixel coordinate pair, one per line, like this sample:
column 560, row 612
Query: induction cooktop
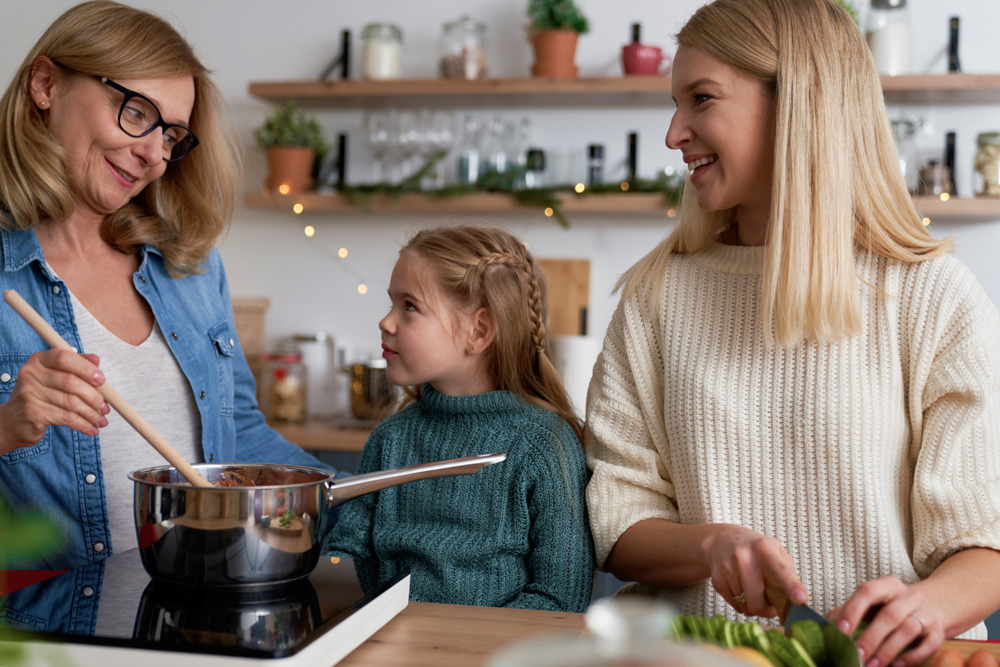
column 112, row 613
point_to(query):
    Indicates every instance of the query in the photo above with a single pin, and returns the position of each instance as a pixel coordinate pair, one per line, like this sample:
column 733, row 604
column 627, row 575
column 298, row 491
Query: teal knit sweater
column 514, row 534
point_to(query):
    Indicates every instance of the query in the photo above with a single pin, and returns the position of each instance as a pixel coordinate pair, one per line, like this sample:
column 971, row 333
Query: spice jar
column 987, row 165
column 383, row 51
column 286, row 385
column 462, row 50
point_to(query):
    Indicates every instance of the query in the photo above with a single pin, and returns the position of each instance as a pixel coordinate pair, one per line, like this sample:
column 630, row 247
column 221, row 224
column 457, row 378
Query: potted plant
column 555, row 27
column 293, row 143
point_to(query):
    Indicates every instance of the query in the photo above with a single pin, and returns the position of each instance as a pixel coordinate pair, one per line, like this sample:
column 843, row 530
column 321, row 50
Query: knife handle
column 776, row 596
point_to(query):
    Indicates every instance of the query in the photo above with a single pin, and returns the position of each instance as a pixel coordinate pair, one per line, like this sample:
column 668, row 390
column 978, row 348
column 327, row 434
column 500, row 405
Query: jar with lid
column 462, row 50
column 986, row 168
column 888, row 34
column 382, row 52
column 286, row 379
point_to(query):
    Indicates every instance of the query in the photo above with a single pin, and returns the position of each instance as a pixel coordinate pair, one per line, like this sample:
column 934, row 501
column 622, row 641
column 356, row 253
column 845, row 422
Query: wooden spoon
column 114, row 399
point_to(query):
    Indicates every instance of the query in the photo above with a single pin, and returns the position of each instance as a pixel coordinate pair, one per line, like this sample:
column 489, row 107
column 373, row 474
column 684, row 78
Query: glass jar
column 462, row 50
column 286, row 385
column 382, row 52
column 986, row 168
column 904, row 131
column 888, row 34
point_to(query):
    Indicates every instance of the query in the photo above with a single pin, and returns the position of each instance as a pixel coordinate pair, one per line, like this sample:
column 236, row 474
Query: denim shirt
column 61, row 475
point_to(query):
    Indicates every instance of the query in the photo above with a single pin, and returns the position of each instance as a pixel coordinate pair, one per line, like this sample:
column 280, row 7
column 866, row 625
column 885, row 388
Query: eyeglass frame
column 131, row 94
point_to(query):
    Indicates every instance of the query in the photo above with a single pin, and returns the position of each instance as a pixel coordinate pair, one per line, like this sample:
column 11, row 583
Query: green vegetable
column 286, row 519
column 789, row 651
column 810, row 635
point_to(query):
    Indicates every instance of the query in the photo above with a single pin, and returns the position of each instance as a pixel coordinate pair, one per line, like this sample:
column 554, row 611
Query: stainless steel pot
column 260, row 534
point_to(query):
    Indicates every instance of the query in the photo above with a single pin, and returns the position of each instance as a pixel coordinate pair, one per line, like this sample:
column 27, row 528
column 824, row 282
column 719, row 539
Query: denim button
column 232, row 343
column 173, row 335
column 201, row 394
column 56, row 289
column 142, row 279
column 91, row 478
column 99, row 547
column 211, row 458
column 5, row 377
column 88, row 591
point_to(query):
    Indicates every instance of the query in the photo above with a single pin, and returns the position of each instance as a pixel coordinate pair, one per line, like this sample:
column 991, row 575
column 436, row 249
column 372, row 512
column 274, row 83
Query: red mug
column 645, row 60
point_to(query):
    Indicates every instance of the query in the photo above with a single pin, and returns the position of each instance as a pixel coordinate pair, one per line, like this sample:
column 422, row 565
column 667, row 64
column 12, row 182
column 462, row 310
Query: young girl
column 467, row 329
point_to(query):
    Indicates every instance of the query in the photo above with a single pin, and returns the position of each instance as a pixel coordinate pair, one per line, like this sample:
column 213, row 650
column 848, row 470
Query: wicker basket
column 250, row 316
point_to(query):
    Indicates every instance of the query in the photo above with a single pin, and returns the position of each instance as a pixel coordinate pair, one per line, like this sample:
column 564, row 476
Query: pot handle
column 339, row 491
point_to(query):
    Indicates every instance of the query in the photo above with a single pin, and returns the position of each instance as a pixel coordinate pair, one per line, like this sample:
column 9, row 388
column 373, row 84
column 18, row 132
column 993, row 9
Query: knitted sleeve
column 955, row 414
column 352, row 536
column 625, row 437
column 561, row 562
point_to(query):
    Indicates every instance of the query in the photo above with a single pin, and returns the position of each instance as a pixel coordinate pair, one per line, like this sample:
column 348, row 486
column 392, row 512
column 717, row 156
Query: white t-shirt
column 150, row 379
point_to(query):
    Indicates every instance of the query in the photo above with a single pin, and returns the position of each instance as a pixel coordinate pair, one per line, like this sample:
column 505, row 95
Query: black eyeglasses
column 138, row 117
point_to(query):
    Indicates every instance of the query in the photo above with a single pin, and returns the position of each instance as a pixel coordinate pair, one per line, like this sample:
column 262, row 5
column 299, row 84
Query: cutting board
column 967, row 647
column 568, row 294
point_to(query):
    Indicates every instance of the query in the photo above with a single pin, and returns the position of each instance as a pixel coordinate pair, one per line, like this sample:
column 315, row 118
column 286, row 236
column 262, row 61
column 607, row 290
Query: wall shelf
column 620, row 91
column 632, row 205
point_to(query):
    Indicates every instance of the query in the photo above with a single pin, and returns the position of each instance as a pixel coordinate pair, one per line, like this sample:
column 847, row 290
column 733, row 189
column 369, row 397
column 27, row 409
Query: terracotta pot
column 290, row 166
column 554, row 53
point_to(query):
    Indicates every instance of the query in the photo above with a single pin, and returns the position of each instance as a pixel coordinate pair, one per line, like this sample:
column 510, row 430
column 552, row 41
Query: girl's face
column 725, row 126
column 107, row 167
column 425, row 337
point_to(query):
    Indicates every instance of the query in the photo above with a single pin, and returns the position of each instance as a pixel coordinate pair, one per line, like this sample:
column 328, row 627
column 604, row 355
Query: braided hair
column 484, row 267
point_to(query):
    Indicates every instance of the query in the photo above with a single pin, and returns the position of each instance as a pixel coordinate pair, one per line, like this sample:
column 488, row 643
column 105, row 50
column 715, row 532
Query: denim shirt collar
column 20, row 247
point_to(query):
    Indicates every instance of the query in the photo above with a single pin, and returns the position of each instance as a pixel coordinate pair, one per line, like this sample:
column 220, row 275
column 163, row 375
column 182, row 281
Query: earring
column 41, row 105
column 472, row 348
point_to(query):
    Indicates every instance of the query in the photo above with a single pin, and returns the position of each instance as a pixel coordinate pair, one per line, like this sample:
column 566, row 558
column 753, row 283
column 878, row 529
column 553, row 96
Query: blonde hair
column 478, row 267
column 836, row 180
column 184, row 212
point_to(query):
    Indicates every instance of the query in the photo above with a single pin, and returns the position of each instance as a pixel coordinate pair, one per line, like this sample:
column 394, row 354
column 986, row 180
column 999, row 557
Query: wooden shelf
column 644, row 204
column 942, row 89
column 981, row 209
column 319, row 435
column 528, row 92
column 620, row 91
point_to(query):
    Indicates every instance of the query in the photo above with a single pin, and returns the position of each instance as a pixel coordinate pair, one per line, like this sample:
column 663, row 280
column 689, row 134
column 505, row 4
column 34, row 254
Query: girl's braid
column 534, row 292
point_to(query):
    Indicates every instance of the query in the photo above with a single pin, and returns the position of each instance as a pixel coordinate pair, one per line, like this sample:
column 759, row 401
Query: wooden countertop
column 321, row 435
column 445, row 635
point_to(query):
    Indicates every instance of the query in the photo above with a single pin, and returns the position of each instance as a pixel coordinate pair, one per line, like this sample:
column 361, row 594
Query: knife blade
column 841, row 650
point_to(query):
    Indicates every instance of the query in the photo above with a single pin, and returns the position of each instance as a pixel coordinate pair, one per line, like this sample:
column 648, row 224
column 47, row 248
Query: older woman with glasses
column 117, row 176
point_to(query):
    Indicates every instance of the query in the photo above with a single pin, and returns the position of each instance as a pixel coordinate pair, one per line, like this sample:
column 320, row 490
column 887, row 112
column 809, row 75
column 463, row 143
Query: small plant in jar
column 555, row 28
column 294, row 144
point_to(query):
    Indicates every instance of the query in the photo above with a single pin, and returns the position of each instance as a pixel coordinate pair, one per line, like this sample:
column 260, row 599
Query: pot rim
column 208, row 466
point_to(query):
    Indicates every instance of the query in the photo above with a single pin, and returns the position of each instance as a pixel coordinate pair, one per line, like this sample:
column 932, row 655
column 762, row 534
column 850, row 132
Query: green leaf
column 557, row 15
column 289, row 127
column 27, row 536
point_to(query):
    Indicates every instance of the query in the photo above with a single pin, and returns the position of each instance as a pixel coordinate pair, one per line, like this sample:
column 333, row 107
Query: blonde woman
column 117, row 176
column 800, row 385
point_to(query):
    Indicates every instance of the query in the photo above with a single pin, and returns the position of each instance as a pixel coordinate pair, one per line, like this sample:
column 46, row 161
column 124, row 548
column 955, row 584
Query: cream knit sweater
column 876, row 455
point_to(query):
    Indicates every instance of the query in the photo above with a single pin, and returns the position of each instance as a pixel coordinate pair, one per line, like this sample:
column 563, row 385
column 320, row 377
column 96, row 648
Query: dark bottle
column 633, row 156
column 595, row 164
column 949, row 160
column 953, row 64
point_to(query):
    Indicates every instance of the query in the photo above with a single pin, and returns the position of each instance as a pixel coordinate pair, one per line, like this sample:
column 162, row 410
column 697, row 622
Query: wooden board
column 968, row 648
column 569, row 293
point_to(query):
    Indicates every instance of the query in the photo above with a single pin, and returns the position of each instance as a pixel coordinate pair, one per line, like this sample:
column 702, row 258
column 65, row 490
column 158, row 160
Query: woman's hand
column 903, row 615
column 740, row 560
column 54, row 388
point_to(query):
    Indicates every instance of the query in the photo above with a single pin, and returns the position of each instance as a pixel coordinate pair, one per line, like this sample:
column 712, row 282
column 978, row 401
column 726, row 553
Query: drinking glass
column 406, row 137
column 439, row 136
column 376, row 137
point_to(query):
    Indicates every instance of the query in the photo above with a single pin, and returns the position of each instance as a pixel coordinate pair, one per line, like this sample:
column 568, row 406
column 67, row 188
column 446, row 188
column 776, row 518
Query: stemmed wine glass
column 376, row 138
column 405, row 138
column 438, row 136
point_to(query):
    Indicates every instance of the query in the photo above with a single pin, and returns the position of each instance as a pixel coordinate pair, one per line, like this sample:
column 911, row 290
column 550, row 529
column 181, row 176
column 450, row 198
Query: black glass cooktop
column 115, row 603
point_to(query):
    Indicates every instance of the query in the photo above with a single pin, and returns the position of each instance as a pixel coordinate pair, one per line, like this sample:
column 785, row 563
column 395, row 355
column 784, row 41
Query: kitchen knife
column 840, row 649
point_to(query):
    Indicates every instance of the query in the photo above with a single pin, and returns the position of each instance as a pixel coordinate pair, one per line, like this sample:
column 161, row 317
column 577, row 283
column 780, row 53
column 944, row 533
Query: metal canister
column 372, row 395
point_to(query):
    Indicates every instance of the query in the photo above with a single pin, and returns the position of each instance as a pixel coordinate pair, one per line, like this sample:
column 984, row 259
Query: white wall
column 267, row 254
